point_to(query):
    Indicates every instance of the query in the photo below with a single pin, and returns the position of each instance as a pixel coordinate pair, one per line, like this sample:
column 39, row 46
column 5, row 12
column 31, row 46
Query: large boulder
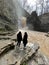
column 8, row 16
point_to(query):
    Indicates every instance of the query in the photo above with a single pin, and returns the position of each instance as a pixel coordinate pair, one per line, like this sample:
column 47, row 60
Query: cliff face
column 44, row 22
column 33, row 21
column 8, row 18
column 44, row 18
column 38, row 23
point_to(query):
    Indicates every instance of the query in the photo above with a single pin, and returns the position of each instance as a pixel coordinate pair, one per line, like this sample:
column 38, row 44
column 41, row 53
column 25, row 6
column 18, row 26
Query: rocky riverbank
column 19, row 56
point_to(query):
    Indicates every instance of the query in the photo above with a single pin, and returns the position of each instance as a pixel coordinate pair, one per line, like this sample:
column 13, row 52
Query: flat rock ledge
column 31, row 51
column 19, row 55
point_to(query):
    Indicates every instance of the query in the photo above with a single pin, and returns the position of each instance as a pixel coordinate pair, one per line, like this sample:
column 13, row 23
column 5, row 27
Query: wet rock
column 7, row 48
column 47, row 35
column 38, row 59
column 41, row 59
column 4, row 38
column 19, row 55
column 28, row 56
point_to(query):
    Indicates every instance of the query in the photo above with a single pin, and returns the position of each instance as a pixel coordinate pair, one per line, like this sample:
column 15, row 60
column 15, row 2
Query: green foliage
column 2, row 29
column 8, row 28
column 24, row 63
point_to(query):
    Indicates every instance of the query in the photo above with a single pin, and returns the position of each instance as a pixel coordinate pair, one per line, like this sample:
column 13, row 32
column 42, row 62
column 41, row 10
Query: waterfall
column 19, row 12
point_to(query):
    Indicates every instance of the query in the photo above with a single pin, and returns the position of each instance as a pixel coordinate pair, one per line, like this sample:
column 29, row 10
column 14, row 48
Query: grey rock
column 18, row 56
column 8, row 17
column 33, row 21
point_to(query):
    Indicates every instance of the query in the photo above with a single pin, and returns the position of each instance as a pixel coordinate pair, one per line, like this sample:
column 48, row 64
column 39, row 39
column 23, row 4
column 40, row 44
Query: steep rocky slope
column 38, row 23
column 33, row 21
column 8, row 18
column 44, row 18
column 44, row 22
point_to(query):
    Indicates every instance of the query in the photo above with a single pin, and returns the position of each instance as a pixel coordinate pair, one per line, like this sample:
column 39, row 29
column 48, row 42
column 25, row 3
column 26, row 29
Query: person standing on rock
column 19, row 38
column 25, row 39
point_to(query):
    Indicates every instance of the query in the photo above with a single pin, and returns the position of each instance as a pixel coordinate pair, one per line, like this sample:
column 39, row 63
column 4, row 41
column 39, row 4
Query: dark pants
column 18, row 43
column 24, row 44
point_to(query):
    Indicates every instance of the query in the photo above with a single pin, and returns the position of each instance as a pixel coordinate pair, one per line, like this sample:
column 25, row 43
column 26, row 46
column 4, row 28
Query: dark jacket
column 19, row 36
column 25, row 38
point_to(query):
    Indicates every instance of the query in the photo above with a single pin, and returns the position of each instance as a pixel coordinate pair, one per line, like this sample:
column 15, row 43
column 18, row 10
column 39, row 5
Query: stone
column 7, row 48
column 33, row 21
column 8, row 17
column 28, row 56
column 18, row 56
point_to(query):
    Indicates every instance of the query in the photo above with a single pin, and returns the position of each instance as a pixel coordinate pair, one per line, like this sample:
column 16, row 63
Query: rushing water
column 19, row 13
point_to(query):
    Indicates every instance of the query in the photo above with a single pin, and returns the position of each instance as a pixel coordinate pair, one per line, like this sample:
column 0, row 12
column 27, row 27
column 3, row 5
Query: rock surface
column 44, row 22
column 18, row 56
column 33, row 21
column 39, row 59
column 28, row 56
column 38, row 23
column 8, row 18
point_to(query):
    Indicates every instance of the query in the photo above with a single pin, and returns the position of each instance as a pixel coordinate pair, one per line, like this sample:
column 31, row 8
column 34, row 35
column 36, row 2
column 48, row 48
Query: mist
column 19, row 11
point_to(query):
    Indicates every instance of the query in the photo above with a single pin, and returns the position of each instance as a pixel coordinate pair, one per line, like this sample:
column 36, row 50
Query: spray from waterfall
column 19, row 12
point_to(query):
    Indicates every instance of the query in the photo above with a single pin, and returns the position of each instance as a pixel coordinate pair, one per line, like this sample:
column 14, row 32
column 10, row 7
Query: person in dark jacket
column 25, row 39
column 19, row 38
